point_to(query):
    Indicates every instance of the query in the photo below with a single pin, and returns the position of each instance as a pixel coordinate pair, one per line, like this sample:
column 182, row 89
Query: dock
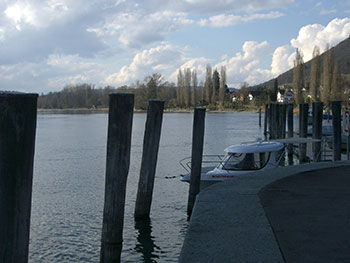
column 291, row 214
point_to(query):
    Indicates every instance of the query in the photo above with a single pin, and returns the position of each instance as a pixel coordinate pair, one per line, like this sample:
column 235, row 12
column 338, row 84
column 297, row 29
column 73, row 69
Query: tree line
column 187, row 93
column 326, row 83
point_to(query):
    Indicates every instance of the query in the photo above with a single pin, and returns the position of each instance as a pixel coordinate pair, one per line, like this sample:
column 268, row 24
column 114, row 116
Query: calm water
column 68, row 190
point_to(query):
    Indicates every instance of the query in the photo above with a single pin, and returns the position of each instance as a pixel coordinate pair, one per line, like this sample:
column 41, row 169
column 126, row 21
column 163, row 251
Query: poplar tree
column 337, row 91
column 315, row 75
column 216, row 86
column 208, row 85
column 180, row 83
column 298, row 78
column 222, row 90
column 194, row 88
column 328, row 66
column 187, row 87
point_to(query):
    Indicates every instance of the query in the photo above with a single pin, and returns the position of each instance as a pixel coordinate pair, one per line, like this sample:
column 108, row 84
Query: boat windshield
column 244, row 161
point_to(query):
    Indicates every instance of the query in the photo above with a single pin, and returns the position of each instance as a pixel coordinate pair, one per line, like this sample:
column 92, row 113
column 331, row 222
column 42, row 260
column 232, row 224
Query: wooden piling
column 259, row 117
column 283, row 117
column 317, row 116
column 196, row 159
column 273, row 123
column 18, row 113
column 336, row 121
column 270, row 117
column 120, row 119
column 265, row 119
column 290, row 129
column 149, row 158
column 303, row 113
column 278, row 122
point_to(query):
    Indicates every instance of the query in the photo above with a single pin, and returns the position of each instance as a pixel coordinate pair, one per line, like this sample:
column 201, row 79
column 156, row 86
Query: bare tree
column 187, row 87
column 208, row 85
column 337, row 90
column 315, row 78
column 179, row 89
column 194, row 88
column 298, row 78
column 328, row 65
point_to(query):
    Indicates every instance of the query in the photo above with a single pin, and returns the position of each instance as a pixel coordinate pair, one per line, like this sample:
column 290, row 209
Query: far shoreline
column 105, row 110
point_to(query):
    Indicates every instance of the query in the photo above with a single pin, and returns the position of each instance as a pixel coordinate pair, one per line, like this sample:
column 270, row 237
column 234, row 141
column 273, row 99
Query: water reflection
column 145, row 241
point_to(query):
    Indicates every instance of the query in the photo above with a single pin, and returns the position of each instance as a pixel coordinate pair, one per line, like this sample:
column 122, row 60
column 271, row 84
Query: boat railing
column 208, row 160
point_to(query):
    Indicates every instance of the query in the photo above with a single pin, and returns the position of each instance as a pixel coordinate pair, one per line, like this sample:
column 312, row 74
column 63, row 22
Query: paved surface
column 310, row 215
column 230, row 224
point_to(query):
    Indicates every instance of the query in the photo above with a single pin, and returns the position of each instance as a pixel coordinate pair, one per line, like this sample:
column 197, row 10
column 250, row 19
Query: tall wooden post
column 304, row 109
column 259, row 117
column 290, row 130
column 273, row 109
column 196, row 159
column 149, row 158
column 336, row 121
column 270, row 121
column 284, row 116
column 265, row 119
column 278, row 122
column 17, row 141
column 317, row 116
column 120, row 118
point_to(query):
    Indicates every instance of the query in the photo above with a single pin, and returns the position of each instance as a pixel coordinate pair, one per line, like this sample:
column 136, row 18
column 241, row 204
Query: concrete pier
column 230, row 223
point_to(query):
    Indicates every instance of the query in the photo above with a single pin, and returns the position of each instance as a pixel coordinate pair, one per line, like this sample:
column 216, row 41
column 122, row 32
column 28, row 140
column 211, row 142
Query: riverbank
column 233, row 222
column 105, row 110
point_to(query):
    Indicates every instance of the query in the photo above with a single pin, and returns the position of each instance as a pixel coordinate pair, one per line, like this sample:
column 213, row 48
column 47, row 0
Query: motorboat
column 239, row 160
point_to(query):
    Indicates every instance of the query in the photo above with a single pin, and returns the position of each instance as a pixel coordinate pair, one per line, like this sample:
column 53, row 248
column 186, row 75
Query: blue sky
column 46, row 45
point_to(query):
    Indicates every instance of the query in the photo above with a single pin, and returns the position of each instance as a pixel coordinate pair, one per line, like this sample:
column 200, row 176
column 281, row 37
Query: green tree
column 216, row 87
column 179, row 89
column 152, row 84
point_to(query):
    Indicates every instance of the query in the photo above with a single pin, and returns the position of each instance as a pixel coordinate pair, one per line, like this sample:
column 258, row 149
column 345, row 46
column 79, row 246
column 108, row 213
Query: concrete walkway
column 299, row 204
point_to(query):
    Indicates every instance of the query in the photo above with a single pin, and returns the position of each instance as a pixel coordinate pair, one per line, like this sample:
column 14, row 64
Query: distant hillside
column 341, row 53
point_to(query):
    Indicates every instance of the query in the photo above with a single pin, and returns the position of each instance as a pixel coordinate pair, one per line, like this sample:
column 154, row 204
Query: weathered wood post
column 121, row 106
column 273, row 108
column 270, row 117
column 284, row 116
column 303, row 112
column 265, row 119
column 278, row 122
column 196, row 159
column 17, row 141
column 149, row 158
column 259, row 117
column 290, row 131
column 336, row 121
column 317, row 116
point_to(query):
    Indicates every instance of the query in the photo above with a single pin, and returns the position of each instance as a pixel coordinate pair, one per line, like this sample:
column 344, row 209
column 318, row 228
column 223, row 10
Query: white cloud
column 308, row 37
column 136, row 29
column 245, row 66
column 224, row 20
column 281, row 60
column 223, row 6
column 161, row 58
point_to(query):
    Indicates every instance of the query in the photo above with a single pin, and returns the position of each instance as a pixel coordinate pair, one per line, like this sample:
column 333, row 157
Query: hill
column 341, row 53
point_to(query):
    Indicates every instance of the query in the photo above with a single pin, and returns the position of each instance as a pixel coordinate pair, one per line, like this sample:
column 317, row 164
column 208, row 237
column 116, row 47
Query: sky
column 47, row 45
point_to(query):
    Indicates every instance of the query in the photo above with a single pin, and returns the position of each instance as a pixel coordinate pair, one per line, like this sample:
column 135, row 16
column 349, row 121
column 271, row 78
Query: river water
column 68, row 184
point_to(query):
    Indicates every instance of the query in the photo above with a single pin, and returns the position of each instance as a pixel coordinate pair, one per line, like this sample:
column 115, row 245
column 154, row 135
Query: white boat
column 239, row 160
